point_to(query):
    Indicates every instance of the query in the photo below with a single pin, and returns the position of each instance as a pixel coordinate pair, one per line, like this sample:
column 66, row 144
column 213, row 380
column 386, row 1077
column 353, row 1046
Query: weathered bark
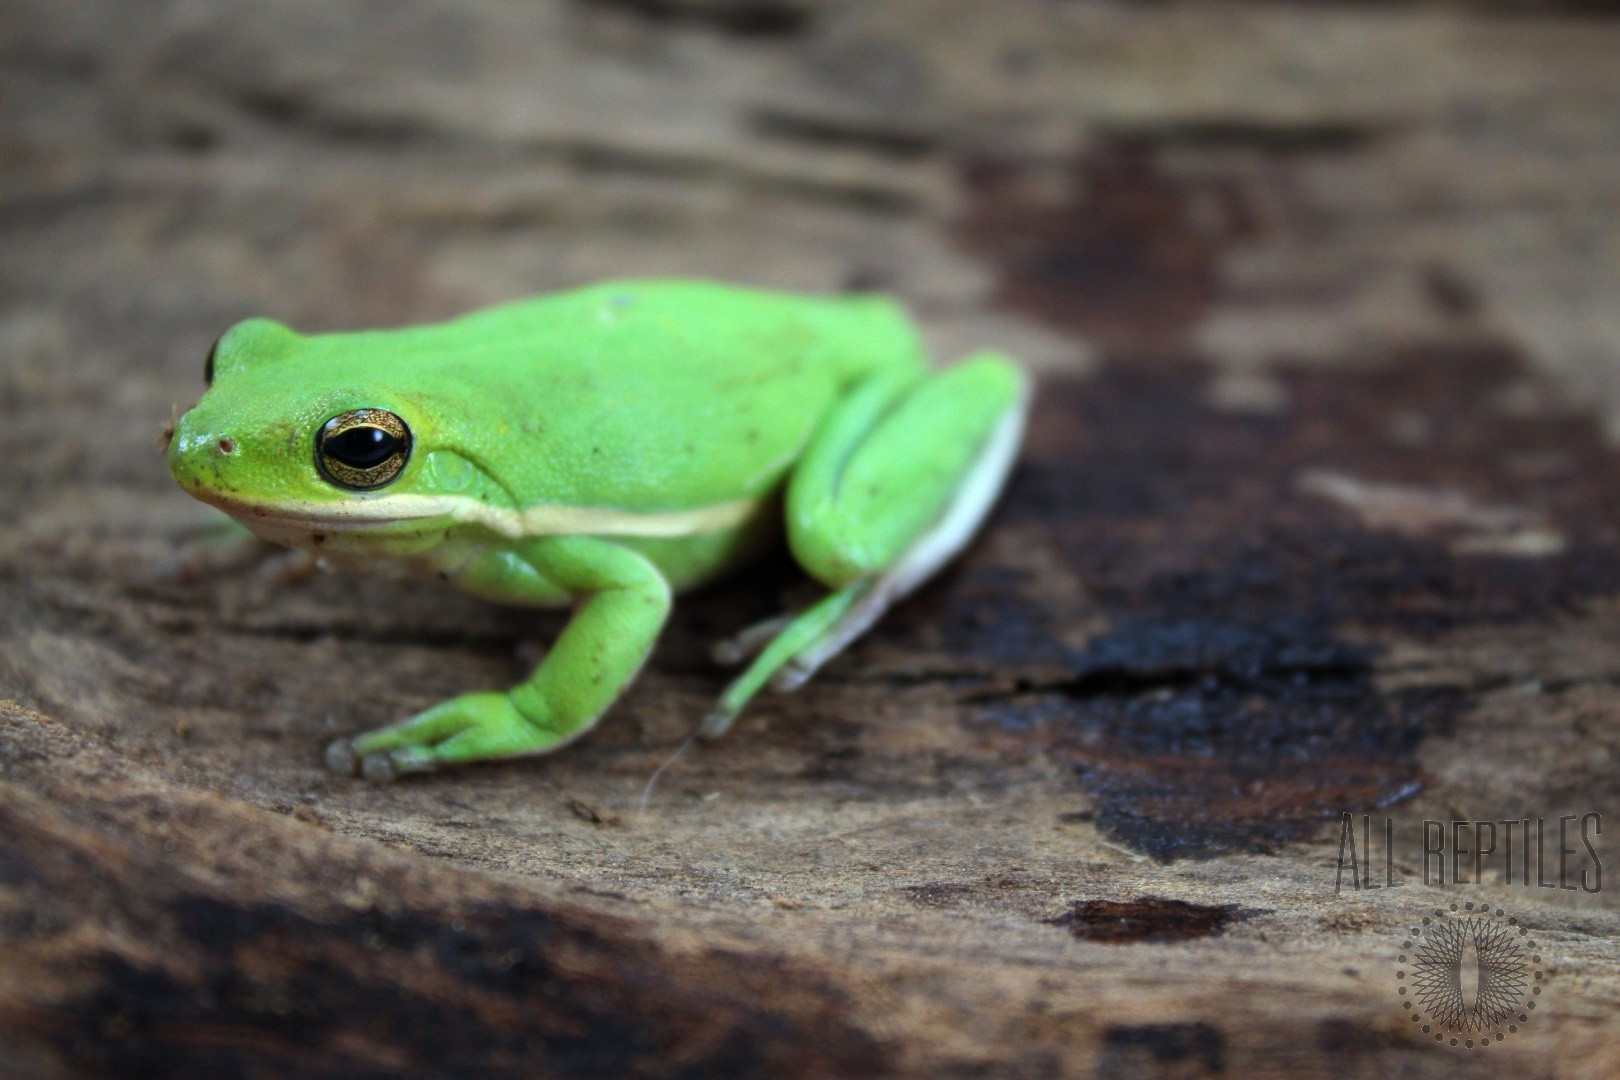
column 1319, row 513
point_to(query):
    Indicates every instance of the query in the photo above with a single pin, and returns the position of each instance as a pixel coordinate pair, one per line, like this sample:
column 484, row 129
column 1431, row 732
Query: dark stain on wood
column 485, row 989
column 1107, row 247
column 1145, row 918
column 1241, row 752
column 743, row 18
column 1225, row 709
column 941, row 893
column 1197, row 1048
column 1314, row 136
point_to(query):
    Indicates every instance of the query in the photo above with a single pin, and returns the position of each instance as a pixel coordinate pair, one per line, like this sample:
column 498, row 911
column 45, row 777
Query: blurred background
column 1319, row 512
column 1249, row 184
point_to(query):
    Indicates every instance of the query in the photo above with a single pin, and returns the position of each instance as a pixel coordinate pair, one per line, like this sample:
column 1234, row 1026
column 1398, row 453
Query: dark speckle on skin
column 317, row 539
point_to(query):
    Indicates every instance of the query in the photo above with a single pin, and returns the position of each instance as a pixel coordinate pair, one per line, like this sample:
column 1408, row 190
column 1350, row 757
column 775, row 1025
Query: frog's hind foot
column 749, row 641
column 341, row 758
column 798, row 634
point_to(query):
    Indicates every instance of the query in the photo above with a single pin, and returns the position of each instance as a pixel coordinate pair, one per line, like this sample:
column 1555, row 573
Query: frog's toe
column 386, row 766
column 792, row 676
column 717, row 723
column 749, row 641
column 341, row 758
column 378, row 768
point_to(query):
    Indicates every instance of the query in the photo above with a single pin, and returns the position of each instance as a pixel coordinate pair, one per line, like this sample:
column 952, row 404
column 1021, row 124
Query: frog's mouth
column 292, row 522
column 310, row 525
column 357, row 513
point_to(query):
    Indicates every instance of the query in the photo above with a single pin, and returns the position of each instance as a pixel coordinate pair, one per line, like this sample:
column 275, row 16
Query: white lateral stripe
column 579, row 520
column 516, row 524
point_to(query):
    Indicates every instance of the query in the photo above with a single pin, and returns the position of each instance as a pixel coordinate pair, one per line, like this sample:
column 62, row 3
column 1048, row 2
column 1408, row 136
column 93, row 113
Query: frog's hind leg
column 893, row 485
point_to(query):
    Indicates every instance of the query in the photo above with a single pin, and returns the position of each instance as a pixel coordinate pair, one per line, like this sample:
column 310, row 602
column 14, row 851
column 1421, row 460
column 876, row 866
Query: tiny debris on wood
column 589, row 811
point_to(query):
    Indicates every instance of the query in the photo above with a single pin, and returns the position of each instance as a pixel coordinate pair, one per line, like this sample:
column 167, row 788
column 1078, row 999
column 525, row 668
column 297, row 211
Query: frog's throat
column 377, row 511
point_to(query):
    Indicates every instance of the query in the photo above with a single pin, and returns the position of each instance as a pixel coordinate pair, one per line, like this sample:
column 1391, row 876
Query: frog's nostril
column 227, row 445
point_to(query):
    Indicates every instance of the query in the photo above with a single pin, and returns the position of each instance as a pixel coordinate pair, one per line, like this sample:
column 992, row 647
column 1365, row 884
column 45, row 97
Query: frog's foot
column 466, row 728
column 890, row 491
column 749, row 641
column 798, row 634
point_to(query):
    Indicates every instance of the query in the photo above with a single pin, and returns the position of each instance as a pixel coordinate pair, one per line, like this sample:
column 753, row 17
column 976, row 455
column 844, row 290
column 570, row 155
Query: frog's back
column 655, row 395
column 658, row 322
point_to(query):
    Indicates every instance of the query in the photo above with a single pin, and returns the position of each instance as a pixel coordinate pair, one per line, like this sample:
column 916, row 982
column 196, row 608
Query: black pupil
column 361, row 447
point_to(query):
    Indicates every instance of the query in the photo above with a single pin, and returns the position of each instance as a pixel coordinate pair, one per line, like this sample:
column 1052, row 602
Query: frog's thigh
column 904, row 492
column 894, row 484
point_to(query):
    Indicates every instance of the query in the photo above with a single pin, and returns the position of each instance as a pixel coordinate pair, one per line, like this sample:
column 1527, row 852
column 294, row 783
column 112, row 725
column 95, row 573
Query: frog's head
column 312, row 442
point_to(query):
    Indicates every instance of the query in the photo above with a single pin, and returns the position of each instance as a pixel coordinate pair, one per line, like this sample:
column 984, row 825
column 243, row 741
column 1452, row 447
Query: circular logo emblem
column 1468, row 977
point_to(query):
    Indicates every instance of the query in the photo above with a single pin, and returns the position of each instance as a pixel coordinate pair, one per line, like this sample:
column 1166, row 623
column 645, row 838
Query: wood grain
column 1319, row 513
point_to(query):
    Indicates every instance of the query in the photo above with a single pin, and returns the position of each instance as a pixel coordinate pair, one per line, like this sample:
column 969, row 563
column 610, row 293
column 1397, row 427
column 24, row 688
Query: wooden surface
column 1319, row 512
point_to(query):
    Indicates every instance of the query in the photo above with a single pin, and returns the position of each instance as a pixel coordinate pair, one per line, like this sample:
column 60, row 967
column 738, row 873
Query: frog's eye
column 362, row 449
column 208, row 365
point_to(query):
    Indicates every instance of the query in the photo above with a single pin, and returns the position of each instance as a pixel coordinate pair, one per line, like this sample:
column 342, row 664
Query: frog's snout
column 196, row 455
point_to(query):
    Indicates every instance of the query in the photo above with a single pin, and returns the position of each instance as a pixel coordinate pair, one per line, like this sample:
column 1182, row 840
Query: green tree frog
column 603, row 448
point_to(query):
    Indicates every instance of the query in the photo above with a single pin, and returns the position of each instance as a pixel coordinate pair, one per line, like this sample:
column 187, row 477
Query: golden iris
column 362, row 449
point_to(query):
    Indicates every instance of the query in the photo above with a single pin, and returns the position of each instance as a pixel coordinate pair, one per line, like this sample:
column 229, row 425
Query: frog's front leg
column 622, row 601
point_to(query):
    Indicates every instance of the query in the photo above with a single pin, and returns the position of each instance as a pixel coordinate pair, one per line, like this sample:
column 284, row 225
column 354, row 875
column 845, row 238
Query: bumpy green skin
column 602, row 448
